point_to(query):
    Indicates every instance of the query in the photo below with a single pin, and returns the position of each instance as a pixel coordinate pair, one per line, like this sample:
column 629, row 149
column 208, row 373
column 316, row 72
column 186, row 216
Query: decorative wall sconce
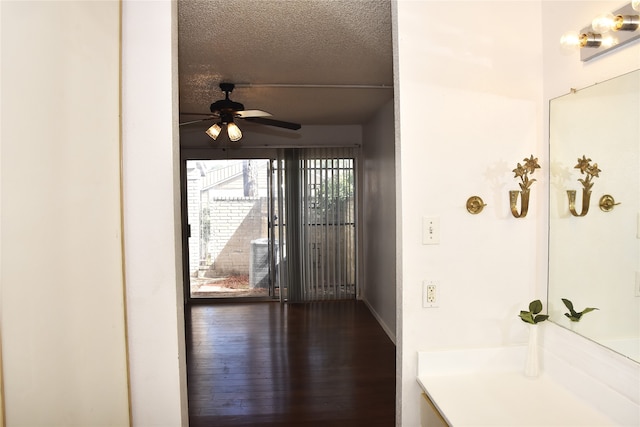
column 606, row 32
column 523, row 171
column 475, row 204
column 591, row 171
column 607, row 202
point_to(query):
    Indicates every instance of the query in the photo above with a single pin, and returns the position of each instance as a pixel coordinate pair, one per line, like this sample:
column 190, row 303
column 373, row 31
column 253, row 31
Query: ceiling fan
column 225, row 111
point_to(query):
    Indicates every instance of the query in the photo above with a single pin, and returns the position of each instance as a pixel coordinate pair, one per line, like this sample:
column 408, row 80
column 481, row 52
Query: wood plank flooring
column 267, row 364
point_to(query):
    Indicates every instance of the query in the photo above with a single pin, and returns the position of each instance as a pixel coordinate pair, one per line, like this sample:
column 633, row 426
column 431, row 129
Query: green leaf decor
column 573, row 315
column 532, row 316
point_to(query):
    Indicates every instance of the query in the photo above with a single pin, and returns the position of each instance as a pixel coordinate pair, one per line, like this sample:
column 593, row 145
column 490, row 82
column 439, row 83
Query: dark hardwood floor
column 267, row 364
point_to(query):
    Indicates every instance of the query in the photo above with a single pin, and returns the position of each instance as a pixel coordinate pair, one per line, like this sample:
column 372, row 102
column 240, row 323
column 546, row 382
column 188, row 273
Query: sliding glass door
column 228, row 205
column 317, row 197
column 281, row 228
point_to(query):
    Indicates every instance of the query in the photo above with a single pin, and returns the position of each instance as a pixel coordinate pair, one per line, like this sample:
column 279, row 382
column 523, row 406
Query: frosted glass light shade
column 214, row 131
column 635, row 4
column 234, row 132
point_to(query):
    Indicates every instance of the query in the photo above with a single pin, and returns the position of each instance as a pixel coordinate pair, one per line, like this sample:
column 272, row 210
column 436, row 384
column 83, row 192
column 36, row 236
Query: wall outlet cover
column 430, row 294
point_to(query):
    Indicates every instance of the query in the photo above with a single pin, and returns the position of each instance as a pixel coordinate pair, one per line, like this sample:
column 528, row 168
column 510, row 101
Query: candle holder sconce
column 591, row 171
column 523, row 171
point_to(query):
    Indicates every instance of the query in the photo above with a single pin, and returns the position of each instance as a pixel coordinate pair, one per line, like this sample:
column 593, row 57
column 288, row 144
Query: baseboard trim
column 391, row 334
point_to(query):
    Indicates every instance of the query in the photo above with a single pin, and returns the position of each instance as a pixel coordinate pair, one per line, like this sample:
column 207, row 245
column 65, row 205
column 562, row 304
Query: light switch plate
column 430, row 230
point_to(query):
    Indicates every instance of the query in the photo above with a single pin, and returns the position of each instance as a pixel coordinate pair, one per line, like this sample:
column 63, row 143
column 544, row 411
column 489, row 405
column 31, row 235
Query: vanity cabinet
column 429, row 414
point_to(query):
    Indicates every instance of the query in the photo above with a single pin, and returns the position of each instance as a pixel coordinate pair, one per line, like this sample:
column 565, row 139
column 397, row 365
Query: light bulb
column 214, row 131
column 603, row 23
column 608, row 41
column 570, row 41
column 234, row 132
column 635, row 4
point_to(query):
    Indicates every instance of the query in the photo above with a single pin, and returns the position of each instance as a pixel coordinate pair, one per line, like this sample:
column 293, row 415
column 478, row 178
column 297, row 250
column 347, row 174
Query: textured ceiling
column 307, row 61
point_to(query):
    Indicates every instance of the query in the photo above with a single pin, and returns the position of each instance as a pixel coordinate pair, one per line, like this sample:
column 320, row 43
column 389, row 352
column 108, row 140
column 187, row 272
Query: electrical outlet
column 431, row 293
column 430, row 296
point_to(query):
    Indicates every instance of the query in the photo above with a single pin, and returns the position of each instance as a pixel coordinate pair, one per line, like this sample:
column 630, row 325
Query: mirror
column 594, row 258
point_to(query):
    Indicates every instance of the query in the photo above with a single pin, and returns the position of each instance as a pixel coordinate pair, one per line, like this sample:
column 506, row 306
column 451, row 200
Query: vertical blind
column 319, row 228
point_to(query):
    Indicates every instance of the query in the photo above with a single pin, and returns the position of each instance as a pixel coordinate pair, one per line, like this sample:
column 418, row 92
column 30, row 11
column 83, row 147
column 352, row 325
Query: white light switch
column 430, row 230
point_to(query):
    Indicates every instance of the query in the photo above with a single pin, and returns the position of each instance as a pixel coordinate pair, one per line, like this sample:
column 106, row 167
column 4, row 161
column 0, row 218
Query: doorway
column 280, row 228
column 230, row 251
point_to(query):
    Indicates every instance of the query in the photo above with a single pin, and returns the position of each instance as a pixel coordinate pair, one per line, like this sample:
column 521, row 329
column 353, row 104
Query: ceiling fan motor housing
column 226, row 108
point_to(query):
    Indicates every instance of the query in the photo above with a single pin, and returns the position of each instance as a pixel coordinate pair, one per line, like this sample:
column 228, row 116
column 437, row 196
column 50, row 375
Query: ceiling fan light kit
column 214, row 131
column 226, row 110
column 234, row 132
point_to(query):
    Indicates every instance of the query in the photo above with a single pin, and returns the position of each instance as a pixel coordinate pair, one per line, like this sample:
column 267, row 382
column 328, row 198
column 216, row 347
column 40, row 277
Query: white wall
column 1, row 363
column 379, row 219
column 469, row 85
column 151, row 194
column 62, row 308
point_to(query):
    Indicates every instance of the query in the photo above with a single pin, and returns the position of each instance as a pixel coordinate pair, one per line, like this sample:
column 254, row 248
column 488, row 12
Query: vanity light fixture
column 609, row 22
column 607, row 31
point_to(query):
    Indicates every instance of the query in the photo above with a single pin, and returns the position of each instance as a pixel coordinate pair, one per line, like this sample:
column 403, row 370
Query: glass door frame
column 275, row 186
column 225, row 154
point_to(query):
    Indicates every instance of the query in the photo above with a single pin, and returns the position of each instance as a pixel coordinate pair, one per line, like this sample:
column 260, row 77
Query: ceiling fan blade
column 195, row 121
column 271, row 122
column 182, row 113
column 252, row 113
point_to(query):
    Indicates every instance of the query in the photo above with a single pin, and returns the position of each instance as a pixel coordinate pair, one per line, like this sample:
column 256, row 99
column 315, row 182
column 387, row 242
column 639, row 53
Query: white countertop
column 507, row 399
column 487, row 387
